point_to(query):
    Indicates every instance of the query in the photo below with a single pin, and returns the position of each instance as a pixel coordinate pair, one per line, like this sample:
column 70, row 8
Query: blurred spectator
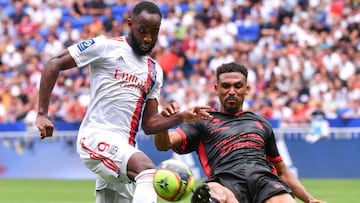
column 270, row 27
column 346, row 67
column 228, row 31
column 116, row 29
column 7, row 29
column 213, row 34
column 221, row 56
column 53, row 14
column 170, row 23
column 168, row 59
column 11, row 58
column 74, row 110
column 96, row 7
column 26, row 28
column 289, row 30
column 3, row 14
column 33, row 72
column 3, row 112
column 109, row 19
column 78, row 9
column 319, row 126
column 351, row 109
column 69, row 35
column 36, row 12
column 96, row 27
column 52, row 47
column 18, row 13
column 38, row 42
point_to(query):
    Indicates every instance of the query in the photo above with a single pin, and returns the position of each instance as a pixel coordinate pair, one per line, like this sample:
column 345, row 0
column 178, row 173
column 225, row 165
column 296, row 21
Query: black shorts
column 252, row 186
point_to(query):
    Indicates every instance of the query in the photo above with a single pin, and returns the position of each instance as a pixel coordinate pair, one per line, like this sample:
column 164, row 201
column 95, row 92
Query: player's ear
column 216, row 88
column 247, row 89
column 129, row 21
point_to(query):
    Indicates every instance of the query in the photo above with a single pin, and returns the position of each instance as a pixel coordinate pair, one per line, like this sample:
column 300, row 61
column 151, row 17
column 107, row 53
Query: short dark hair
column 231, row 67
column 149, row 6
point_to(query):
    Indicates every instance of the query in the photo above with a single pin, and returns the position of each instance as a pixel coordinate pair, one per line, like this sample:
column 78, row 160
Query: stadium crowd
column 300, row 53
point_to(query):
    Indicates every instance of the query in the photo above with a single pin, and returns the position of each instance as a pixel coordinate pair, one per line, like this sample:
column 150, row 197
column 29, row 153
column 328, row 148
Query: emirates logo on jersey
column 131, row 81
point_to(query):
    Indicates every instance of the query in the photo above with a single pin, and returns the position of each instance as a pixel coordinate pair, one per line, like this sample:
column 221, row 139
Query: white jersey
column 120, row 83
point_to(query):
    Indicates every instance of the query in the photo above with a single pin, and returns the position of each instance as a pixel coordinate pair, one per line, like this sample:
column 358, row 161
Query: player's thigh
column 221, row 193
column 281, row 198
column 138, row 162
column 106, row 155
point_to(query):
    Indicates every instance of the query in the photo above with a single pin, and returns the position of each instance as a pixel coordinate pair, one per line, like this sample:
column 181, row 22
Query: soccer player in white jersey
column 124, row 95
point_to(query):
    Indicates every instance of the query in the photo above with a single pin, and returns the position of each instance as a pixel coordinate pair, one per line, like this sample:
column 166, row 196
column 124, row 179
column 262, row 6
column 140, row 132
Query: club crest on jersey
column 85, row 44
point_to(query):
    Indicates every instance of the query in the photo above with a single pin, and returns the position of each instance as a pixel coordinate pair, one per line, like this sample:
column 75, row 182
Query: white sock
column 144, row 191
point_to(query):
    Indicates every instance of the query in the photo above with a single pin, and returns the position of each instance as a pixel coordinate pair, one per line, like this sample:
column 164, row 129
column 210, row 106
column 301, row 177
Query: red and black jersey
column 229, row 142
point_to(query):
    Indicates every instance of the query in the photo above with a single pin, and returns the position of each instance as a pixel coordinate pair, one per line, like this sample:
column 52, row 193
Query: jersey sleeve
column 190, row 133
column 272, row 152
column 87, row 51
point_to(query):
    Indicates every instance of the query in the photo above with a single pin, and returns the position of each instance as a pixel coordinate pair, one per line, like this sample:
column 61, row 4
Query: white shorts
column 107, row 155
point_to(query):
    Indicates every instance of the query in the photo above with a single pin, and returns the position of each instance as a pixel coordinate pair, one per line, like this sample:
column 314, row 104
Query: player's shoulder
column 265, row 122
column 154, row 61
column 254, row 116
column 120, row 39
column 113, row 41
column 257, row 116
column 98, row 40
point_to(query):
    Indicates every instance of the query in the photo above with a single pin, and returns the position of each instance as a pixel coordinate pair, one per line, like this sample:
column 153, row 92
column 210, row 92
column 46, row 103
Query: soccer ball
column 173, row 180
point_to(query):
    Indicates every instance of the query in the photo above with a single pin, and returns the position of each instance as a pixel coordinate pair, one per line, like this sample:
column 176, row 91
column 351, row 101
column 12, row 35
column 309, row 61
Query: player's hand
column 196, row 114
column 45, row 126
column 316, row 201
column 192, row 115
column 171, row 109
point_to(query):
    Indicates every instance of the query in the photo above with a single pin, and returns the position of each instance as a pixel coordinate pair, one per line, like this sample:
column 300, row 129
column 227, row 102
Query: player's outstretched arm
column 294, row 183
column 49, row 76
column 164, row 140
column 154, row 122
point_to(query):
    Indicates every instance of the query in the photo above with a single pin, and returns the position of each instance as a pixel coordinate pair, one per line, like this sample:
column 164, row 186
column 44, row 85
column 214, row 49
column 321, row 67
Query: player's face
column 144, row 32
column 231, row 89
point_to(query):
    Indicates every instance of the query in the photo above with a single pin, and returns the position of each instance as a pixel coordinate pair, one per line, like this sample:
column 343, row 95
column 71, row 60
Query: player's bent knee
column 221, row 193
column 137, row 163
column 218, row 193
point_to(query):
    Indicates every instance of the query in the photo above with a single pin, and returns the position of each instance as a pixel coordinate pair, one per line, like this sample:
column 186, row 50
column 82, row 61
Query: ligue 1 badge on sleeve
column 85, row 44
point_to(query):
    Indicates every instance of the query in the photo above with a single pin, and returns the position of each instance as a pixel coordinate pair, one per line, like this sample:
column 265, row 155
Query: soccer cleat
column 202, row 194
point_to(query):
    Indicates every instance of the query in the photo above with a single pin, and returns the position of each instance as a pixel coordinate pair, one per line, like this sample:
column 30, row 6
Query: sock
column 144, row 191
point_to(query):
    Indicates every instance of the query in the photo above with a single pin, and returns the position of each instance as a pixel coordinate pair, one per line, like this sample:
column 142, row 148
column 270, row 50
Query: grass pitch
column 82, row 191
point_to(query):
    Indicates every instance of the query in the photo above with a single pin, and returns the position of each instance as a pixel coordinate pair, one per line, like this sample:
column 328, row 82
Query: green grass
column 81, row 191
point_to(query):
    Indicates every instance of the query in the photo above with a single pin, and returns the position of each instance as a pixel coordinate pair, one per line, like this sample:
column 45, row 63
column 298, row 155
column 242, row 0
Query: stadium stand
column 313, row 57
